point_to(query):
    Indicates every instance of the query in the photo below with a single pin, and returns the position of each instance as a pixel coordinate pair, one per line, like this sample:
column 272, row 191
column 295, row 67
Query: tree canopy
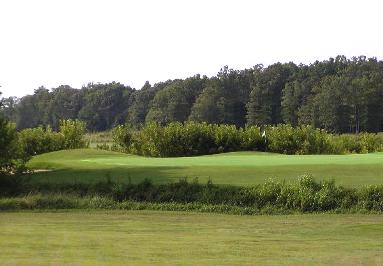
column 340, row 95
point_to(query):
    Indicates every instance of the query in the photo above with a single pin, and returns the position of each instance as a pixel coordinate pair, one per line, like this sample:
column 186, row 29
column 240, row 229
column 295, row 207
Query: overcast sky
column 54, row 42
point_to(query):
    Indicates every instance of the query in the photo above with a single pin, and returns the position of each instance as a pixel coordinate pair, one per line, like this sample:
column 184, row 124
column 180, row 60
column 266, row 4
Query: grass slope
column 238, row 168
column 163, row 238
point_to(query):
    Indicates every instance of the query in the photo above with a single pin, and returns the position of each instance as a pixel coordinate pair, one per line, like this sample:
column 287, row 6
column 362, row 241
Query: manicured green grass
column 238, row 168
column 173, row 238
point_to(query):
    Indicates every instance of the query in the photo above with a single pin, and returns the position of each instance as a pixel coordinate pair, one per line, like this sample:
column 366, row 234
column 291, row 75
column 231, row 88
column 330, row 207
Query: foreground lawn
column 143, row 237
column 237, row 168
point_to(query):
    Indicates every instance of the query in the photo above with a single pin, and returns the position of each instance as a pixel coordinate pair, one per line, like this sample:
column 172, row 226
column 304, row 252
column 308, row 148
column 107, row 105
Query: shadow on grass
column 346, row 175
column 118, row 174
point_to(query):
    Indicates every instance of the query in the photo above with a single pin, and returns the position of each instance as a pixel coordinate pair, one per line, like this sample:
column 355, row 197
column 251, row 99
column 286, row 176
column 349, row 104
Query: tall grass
column 102, row 139
column 305, row 195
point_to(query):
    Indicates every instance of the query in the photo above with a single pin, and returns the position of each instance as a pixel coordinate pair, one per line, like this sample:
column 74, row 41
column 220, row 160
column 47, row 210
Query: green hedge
column 39, row 140
column 305, row 195
column 191, row 138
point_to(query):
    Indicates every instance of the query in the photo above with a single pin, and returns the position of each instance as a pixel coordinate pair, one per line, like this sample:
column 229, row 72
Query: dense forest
column 340, row 95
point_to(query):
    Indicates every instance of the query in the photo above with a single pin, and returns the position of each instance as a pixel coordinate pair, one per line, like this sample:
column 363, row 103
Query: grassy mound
column 236, row 168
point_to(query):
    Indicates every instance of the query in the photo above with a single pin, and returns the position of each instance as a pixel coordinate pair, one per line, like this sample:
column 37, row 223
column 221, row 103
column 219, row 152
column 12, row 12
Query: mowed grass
column 173, row 238
column 237, row 168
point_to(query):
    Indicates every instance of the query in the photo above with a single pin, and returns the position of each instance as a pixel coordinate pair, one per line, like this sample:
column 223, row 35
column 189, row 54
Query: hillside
column 237, row 168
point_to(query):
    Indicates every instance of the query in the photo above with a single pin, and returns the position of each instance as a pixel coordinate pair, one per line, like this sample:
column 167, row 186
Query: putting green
column 239, row 168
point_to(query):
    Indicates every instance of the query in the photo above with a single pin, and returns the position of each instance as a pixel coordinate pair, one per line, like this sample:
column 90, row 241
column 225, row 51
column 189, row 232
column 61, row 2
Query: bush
column 305, row 195
column 227, row 138
column 12, row 159
column 191, row 138
column 251, row 139
column 360, row 143
column 33, row 141
column 122, row 136
column 73, row 132
column 300, row 140
column 371, row 198
column 37, row 140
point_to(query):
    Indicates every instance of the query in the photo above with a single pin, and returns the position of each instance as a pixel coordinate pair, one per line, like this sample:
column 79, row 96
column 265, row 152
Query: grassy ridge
column 237, row 168
column 147, row 238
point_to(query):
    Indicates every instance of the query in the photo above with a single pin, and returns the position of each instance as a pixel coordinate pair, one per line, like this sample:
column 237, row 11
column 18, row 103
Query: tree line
column 342, row 95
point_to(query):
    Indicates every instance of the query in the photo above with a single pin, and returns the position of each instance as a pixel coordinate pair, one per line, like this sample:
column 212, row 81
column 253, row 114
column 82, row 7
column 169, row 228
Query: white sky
column 56, row 42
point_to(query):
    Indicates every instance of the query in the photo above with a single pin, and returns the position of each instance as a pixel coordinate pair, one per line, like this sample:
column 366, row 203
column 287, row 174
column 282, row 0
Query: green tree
column 26, row 113
column 264, row 106
column 11, row 159
column 223, row 100
column 141, row 101
column 8, row 108
column 66, row 102
column 105, row 105
column 173, row 103
column 209, row 106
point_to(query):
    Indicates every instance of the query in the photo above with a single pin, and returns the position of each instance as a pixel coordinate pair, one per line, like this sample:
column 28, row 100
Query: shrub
column 305, row 195
column 300, row 140
column 33, row 141
column 12, row 159
column 360, row 143
column 371, row 197
column 192, row 138
column 122, row 136
column 251, row 139
column 227, row 138
column 37, row 140
column 73, row 132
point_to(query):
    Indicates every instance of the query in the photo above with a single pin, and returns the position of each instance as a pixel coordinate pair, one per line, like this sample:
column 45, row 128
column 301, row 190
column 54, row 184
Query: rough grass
column 237, row 168
column 99, row 138
column 173, row 238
